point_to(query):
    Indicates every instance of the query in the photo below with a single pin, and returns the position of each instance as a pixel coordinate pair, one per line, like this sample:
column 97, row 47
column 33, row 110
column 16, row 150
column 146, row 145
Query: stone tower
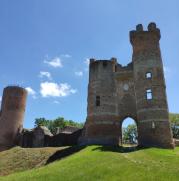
column 11, row 115
column 137, row 90
column 152, row 110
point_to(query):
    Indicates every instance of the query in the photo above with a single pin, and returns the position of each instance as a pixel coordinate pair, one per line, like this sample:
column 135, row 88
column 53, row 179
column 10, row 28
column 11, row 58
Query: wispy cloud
column 166, row 69
column 56, row 102
column 45, row 74
column 31, row 92
column 0, row 99
column 52, row 89
column 79, row 73
column 54, row 62
column 66, row 56
column 87, row 62
column 167, row 72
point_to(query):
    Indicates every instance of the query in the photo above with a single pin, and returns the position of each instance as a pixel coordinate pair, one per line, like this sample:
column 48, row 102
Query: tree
column 130, row 134
column 174, row 119
column 57, row 123
column 60, row 122
column 41, row 122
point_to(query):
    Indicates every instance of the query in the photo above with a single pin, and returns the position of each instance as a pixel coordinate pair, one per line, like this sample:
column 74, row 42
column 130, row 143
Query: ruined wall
column 101, row 126
column 42, row 137
column 126, row 101
column 152, row 114
column 12, row 115
column 63, row 139
column 123, row 92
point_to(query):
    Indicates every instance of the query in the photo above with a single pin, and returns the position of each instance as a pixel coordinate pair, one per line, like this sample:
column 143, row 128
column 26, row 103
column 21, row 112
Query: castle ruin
column 137, row 90
column 115, row 92
column 12, row 116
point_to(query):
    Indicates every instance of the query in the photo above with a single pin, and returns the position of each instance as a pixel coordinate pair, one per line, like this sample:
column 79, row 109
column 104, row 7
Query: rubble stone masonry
column 137, row 90
column 12, row 116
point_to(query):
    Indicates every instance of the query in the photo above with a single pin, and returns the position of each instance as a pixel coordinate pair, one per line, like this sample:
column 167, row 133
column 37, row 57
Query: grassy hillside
column 95, row 163
column 20, row 159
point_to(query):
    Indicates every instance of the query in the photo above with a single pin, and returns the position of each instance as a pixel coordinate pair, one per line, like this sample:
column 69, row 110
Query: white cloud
column 52, row 89
column 54, row 62
column 56, row 102
column 31, row 92
column 79, row 73
column 166, row 69
column 167, row 72
column 87, row 61
column 66, row 55
column 45, row 74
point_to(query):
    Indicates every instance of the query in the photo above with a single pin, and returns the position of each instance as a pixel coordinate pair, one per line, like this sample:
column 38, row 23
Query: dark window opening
column 149, row 94
column 115, row 69
column 148, row 75
column 97, row 100
column 104, row 63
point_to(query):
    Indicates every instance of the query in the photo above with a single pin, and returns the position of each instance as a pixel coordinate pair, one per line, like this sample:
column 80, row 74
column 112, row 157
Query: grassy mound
column 19, row 159
column 95, row 163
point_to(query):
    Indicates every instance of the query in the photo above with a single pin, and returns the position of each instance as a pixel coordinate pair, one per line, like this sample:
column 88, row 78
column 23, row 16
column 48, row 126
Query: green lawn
column 97, row 163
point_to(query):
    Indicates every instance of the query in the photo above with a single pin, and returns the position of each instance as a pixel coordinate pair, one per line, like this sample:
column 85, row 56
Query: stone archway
column 126, row 109
column 129, row 132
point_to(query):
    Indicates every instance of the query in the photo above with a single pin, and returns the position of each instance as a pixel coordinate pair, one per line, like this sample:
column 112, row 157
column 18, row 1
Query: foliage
column 174, row 118
column 41, row 122
column 104, row 163
column 130, row 134
column 59, row 122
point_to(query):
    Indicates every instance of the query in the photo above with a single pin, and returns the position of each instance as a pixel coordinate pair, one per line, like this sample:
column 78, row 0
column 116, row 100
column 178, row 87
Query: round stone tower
column 100, row 126
column 151, row 101
column 12, row 115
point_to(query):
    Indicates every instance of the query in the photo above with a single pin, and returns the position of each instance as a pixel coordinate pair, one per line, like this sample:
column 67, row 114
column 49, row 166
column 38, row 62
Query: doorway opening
column 129, row 133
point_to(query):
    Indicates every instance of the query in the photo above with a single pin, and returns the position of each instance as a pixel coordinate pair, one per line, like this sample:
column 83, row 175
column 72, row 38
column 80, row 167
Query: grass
column 103, row 163
column 19, row 159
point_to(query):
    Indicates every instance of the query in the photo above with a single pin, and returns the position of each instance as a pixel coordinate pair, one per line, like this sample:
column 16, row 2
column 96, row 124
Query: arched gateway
column 129, row 132
column 136, row 90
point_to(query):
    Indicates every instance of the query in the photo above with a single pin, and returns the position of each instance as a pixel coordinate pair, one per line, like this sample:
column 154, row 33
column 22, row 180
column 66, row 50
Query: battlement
column 127, row 67
column 15, row 90
column 103, row 65
column 14, row 97
column 111, row 61
column 140, row 35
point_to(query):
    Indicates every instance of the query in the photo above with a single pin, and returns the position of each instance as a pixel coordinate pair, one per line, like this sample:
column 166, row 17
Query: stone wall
column 42, row 137
column 176, row 142
column 116, row 92
column 12, row 115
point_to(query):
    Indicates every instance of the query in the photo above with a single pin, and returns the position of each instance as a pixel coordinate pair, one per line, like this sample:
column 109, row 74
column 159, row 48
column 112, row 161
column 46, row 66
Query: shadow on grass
column 64, row 153
column 119, row 149
column 74, row 149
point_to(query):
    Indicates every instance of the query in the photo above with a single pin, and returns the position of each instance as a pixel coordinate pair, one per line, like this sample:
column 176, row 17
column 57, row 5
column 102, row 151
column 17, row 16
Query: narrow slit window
column 149, row 94
column 148, row 75
column 97, row 100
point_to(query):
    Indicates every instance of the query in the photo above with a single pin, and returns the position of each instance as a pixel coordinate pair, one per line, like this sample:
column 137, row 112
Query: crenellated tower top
column 138, row 35
column 145, row 44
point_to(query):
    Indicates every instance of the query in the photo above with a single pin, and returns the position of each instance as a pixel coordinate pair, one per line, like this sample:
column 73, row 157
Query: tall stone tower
column 102, row 110
column 11, row 115
column 137, row 90
column 151, row 101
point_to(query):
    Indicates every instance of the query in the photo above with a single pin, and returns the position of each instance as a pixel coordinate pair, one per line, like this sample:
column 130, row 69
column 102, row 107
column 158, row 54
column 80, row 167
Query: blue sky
column 44, row 46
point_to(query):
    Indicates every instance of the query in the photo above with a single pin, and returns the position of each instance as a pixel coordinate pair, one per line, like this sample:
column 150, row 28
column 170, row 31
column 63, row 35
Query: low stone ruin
column 42, row 137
